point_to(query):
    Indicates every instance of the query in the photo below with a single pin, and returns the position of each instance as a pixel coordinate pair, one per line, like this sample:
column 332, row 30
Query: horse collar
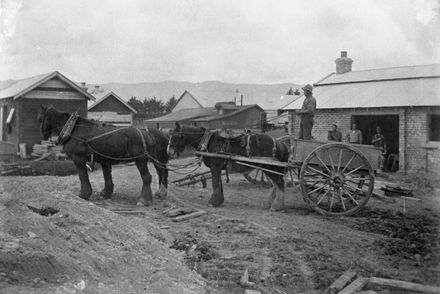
column 67, row 129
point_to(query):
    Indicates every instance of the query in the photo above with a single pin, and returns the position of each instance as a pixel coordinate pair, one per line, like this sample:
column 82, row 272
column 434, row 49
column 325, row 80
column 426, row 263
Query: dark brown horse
column 109, row 145
column 259, row 145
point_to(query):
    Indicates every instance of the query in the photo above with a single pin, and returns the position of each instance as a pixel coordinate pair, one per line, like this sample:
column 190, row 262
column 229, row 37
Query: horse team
column 111, row 145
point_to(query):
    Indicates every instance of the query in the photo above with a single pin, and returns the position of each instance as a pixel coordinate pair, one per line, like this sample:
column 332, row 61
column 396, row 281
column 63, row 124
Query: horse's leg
column 86, row 188
column 277, row 198
column 146, row 197
column 108, row 187
column 217, row 197
column 162, row 173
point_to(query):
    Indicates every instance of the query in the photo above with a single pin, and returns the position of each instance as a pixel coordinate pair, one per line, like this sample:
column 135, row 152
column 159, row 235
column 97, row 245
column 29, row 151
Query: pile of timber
column 47, row 150
column 350, row 283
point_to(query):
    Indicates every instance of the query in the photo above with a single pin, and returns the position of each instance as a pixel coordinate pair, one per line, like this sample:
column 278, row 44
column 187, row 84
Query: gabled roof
column 185, row 114
column 266, row 96
column 104, row 96
column 386, row 87
column 23, row 86
column 183, row 95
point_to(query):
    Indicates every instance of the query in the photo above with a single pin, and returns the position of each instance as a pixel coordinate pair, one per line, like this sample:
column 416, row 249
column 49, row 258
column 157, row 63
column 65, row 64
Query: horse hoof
column 142, row 203
column 105, row 195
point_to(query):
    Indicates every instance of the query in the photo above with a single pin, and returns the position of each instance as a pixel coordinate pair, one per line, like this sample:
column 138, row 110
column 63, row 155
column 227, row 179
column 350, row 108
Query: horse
column 249, row 144
column 108, row 145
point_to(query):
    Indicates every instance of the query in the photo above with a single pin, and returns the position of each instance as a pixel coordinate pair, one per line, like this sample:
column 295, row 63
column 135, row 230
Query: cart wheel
column 336, row 179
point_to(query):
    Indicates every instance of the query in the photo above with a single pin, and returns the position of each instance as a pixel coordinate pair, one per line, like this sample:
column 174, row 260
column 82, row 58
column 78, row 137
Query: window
column 434, row 127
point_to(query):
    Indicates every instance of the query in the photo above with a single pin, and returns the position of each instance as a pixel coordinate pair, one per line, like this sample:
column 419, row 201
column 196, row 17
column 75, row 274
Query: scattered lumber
column 357, row 285
column 341, row 282
column 396, row 190
column 189, row 216
column 402, row 285
column 47, row 147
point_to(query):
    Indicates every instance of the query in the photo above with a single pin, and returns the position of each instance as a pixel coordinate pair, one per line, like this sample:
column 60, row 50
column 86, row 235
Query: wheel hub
column 337, row 180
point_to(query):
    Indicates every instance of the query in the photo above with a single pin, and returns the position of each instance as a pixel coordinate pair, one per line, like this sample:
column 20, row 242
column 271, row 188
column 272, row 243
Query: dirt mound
column 412, row 237
column 81, row 248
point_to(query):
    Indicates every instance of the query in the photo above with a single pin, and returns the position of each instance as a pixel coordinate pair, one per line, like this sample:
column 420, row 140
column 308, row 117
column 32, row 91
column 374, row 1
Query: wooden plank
column 402, row 285
column 341, row 282
column 259, row 160
column 189, row 216
column 357, row 285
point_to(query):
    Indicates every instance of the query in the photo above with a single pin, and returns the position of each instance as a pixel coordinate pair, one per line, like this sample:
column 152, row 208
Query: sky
column 237, row 41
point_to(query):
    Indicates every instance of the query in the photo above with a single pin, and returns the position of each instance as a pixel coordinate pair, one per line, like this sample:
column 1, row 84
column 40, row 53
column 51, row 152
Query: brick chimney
column 343, row 63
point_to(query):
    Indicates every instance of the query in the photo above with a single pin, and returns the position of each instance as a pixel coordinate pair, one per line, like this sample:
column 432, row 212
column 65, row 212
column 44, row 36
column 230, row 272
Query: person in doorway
column 355, row 135
column 334, row 134
column 379, row 141
column 307, row 113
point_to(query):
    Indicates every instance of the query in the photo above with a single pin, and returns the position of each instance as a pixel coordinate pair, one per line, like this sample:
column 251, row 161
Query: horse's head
column 177, row 141
column 47, row 121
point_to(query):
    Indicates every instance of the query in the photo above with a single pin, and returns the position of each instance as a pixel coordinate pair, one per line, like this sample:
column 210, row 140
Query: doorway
column 390, row 128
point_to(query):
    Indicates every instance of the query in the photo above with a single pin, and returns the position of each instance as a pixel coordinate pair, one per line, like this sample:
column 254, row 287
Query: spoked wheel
column 336, row 179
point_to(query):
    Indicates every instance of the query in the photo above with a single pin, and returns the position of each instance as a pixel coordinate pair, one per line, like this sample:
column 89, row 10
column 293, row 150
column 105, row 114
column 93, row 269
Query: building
column 404, row 101
column 224, row 115
column 111, row 108
column 21, row 100
column 268, row 97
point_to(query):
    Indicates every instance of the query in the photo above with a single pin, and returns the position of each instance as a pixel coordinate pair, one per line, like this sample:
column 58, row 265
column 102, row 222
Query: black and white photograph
column 219, row 146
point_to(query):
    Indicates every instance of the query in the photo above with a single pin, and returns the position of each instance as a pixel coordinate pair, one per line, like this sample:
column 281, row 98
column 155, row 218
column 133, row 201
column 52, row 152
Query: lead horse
column 109, row 145
column 249, row 144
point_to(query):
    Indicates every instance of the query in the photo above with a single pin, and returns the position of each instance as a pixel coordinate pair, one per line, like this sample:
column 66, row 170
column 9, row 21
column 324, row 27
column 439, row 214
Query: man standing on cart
column 307, row 113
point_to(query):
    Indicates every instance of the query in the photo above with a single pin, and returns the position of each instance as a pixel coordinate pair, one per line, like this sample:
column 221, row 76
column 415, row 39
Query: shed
column 111, row 108
column 182, row 116
column 21, row 100
column 268, row 97
column 404, row 101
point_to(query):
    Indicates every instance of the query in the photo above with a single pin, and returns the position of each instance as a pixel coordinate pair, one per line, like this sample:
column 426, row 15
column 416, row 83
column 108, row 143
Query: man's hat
column 308, row 87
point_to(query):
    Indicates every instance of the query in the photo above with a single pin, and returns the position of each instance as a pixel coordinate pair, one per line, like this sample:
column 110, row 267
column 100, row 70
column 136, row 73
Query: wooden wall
column 28, row 112
column 111, row 104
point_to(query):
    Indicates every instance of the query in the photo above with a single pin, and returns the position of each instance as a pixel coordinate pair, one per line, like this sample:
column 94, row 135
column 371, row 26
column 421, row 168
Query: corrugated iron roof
column 185, row 114
column 392, row 87
column 107, row 95
column 216, row 116
column 392, row 73
column 21, row 87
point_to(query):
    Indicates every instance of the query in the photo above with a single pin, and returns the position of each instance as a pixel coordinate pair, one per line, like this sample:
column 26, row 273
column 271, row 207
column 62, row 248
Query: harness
column 66, row 134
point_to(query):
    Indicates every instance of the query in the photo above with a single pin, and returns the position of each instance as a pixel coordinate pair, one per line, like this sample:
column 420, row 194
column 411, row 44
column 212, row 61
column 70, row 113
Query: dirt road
column 295, row 251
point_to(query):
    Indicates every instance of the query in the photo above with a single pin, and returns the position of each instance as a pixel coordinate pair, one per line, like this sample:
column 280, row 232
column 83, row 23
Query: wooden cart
column 335, row 178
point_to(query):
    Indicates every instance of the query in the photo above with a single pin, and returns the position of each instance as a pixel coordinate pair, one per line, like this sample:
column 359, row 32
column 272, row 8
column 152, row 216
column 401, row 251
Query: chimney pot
column 96, row 87
column 343, row 63
column 83, row 84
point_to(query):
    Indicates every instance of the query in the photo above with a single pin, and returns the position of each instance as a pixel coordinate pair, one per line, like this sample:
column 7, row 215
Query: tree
column 153, row 107
column 170, row 104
